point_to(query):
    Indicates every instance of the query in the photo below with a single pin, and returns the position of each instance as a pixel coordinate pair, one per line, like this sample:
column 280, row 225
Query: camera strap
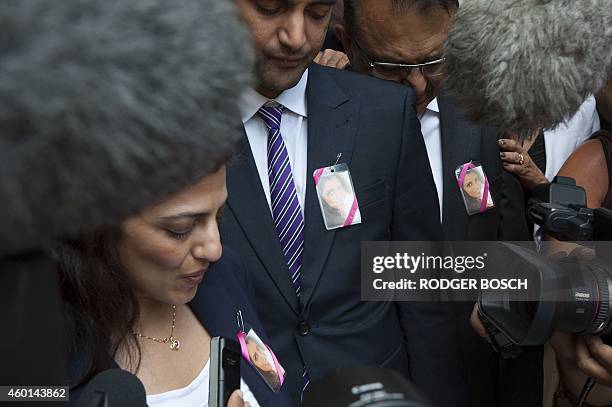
column 500, row 342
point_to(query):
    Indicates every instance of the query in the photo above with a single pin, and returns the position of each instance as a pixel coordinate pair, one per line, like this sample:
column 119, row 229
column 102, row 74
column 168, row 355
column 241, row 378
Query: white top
column 430, row 128
column 294, row 131
column 195, row 394
column 567, row 137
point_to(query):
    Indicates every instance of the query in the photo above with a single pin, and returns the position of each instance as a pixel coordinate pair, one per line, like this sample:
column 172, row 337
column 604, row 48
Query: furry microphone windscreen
column 520, row 65
column 109, row 105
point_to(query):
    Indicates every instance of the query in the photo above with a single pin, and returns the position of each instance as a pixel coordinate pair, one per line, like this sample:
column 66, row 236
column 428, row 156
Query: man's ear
column 346, row 40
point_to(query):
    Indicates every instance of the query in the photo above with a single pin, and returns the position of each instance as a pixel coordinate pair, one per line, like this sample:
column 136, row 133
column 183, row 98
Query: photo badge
column 474, row 186
column 336, row 196
column 260, row 356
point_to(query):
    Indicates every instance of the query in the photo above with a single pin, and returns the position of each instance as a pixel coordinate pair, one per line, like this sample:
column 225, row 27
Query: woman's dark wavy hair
column 100, row 304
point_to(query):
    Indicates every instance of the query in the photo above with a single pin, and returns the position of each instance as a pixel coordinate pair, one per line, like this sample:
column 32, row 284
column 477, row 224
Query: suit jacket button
column 303, row 328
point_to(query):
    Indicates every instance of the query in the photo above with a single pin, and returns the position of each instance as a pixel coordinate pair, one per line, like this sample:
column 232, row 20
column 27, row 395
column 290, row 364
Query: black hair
column 100, row 304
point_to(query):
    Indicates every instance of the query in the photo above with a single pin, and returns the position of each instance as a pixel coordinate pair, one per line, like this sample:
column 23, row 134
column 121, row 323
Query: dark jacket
column 464, row 141
column 374, row 125
column 492, row 381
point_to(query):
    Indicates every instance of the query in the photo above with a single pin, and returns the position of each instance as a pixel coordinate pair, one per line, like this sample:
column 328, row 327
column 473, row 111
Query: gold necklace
column 175, row 344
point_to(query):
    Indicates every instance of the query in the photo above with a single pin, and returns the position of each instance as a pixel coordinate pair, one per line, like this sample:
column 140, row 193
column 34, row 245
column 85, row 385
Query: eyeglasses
column 397, row 72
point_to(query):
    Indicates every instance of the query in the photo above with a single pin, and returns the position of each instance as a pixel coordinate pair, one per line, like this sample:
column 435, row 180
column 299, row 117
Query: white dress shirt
column 293, row 129
column 430, row 128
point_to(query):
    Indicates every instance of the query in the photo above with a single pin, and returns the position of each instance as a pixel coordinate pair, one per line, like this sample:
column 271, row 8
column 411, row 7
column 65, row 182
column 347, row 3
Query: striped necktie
column 286, row 209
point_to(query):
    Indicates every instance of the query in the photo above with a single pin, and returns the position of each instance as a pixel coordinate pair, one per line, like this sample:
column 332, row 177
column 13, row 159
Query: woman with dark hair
column 147, row 296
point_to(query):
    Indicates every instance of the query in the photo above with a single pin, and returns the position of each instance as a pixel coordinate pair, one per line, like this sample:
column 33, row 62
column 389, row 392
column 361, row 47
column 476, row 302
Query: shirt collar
column 294, row 99
column 433, row 105
column 431, row 109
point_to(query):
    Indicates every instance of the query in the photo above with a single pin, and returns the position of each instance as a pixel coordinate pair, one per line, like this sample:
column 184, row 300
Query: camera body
column 560, row 209
column 572, row 294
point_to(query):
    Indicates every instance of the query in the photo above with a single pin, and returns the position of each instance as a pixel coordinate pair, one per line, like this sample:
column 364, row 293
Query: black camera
column 571, row 293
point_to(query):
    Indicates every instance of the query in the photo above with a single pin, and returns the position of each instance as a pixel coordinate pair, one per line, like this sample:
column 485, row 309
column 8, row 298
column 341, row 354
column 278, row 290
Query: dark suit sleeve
column 513, row 225
column 430, row 330
column 512, row 222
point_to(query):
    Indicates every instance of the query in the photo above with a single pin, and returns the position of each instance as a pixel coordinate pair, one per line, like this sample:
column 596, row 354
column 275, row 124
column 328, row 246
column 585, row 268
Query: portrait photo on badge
column 474, row 187
column 266, row 364
column 337, row 199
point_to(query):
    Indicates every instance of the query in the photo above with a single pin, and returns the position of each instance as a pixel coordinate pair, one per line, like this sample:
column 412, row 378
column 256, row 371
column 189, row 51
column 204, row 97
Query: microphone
column 113, row 388
column 520, row 65
column 107, row 106
column 365, row 387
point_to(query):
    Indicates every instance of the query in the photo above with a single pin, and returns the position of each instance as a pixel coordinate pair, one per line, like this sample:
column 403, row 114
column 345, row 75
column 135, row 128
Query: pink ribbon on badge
column 241, row 336
column 351, row 215
column 317, row 175
column 485, row 192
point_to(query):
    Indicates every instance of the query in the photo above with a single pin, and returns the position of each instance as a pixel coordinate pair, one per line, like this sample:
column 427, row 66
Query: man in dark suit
column 402, row 41
column 306, row 278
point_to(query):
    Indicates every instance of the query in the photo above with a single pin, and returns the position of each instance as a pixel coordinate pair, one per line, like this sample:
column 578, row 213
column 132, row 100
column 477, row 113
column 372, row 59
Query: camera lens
column 567, row 295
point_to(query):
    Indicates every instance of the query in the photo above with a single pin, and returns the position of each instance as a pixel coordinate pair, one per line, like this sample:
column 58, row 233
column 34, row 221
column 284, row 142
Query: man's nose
column 293, row 33
column 416, row 80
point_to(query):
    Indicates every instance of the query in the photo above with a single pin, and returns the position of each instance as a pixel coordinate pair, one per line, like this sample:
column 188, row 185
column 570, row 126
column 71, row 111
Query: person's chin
column 279, row 77
column 186, row 290
column 183, row 296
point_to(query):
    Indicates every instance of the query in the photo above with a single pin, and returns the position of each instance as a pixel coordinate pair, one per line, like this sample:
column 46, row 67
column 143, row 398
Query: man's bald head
column 351, row 8
column 400, row 41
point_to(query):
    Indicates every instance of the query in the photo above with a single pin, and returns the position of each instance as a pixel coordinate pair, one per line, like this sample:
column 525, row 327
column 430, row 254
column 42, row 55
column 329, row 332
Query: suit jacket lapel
column 458, row 147
column 248, row 203
column 332, row 126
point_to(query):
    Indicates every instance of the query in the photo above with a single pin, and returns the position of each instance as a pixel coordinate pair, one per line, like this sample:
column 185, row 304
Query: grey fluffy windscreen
column 519, row 65
column 107, row 106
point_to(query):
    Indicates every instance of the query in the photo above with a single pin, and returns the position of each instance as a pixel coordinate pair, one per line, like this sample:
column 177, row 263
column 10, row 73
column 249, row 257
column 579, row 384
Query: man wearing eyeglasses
column 402, row 41
column 404, row 48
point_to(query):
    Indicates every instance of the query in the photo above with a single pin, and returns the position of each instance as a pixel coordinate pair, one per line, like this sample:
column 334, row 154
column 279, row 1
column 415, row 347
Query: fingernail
column 502, row 155
column 501, row 142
